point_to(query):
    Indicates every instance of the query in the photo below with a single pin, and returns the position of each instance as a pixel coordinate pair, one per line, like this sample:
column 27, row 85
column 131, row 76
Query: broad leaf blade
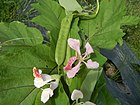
column 16, row 78
column 61, row 97
column 104, row 30
column 17, row 33
column 51, row 15
column 130, row 20
column 89, row 83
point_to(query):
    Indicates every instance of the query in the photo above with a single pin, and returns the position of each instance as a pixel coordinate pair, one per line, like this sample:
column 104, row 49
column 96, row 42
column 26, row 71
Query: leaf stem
column 52, row 69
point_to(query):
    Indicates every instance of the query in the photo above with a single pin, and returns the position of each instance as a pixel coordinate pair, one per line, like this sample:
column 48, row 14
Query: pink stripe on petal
column 92, row 65
column 89, row 49
column 36, row 73
column 71, row 73
column 70, row 62
column 74, row 44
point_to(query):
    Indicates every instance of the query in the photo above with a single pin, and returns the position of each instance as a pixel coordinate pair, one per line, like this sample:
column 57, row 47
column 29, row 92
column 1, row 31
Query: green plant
column 22, row 50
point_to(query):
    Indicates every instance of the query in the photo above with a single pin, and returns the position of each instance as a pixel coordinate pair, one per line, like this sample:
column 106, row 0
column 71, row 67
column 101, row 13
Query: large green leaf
column 17, row 33
column 104, row 30
column 16, row 79
column 61, row 97
column 130, row 20
column 89, row 83
column 51, row 15
column 21, row 50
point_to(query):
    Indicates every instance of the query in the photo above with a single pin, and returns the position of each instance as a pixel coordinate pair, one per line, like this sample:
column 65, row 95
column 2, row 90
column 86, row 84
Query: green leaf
column 61, row 97
column 130, row 20
column 99, row 58
column 104, row 30
column 16, row 78
column 76, row 82
column 89, row 83
column 17, row 61
column 29, row 99
column 70, row 5
column 51, row 15
column 17, row 33
column 75, row 29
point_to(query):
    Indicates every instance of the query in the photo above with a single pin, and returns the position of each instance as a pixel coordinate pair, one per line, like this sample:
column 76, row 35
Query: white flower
column 43, row 79
column 89, row 103
column 77, row 94
column 46, row 94
column 40, row 79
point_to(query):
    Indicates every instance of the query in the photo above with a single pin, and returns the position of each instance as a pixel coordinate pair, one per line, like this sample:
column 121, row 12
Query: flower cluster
column 44, row 79
column 77, row 94
column 52, row 81
column 75, row 45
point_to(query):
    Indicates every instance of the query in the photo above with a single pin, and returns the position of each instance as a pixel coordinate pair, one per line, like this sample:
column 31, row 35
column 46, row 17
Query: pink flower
column 75, row 45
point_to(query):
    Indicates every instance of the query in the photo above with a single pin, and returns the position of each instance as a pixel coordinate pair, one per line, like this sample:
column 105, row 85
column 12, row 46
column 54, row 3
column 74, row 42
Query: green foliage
column 16, row 74
column 89, row 83
column 16, row 10
column 130, row 20
column 51, row 15
column 70, row 5
column 17, row 33
column 81, row 8
column 61, row 96
column 8, row 10
column 17, row 60
column 104, row 31
column 21, row 49
column 61, row 46
column 132, row 36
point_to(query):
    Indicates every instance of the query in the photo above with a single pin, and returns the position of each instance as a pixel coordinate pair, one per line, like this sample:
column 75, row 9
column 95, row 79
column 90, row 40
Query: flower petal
column 46, row 94
column 92, row 65
column 46, row 78
column 37, row 73
column 71, row 73
column 38, row 82
column 70, row 62
column 76, row 94
column 74, row 44
column 54, row 85
column 89, row 49
column 89, row 103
